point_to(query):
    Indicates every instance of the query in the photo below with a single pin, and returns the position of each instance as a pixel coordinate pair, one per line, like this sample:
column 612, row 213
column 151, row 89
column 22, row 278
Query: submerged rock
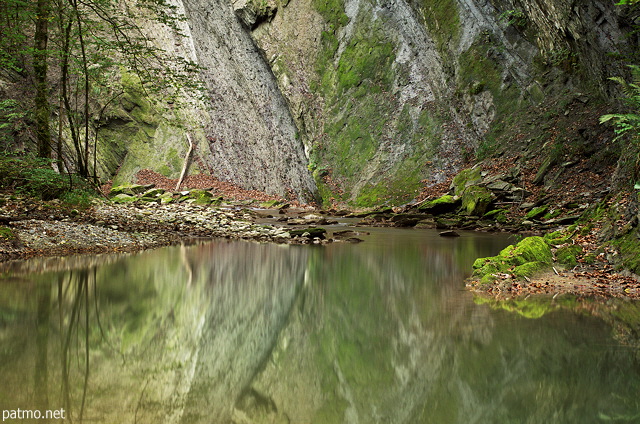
column 449, row 233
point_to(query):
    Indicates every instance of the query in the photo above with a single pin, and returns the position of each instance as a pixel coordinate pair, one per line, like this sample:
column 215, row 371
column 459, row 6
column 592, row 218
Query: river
column 240, row 332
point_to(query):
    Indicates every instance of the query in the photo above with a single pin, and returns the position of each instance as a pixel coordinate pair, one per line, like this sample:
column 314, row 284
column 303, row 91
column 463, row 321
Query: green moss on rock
column 123, row 198
column 567, row 255
column 201, row 197
column 629, row 248
column 130, row 189
column 536, row 212
column 443, row 204
column 466, row 178
column 476, row 200
column 530, row 255
column 498, row 215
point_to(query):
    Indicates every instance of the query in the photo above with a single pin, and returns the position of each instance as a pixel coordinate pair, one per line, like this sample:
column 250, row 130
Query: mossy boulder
column 529, row 256
column 154, row 192
column 567, row 255
column 274, row 204
column 123, row 198
column 443, row 204
column 498, row 215
column 476, row 200
column 446, row 223
column 536, row 213
column 466, row 178
column 166, row 198
column 130, row 189
column 201, row 197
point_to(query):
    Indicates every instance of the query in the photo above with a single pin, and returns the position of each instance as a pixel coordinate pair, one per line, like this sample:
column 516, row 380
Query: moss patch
column 443, row 21
column 476, row 200
column 443, row 204
column 567, row 255
column 530, row 255
column 7, row 234
column 629, row 248
column 466, row 178
column 479, row 70
column 536, row 212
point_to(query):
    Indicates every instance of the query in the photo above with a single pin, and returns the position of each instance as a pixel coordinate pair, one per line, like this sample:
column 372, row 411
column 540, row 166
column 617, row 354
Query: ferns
column 628, row 124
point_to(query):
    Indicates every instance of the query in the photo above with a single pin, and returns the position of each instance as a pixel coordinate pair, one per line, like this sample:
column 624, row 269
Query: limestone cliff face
column 389, row 93
column 242, row 130
column 369, row 100
column 252, row 138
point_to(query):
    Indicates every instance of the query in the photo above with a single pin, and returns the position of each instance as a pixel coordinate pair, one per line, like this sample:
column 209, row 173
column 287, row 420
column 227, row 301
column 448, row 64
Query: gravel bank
column 31, row 228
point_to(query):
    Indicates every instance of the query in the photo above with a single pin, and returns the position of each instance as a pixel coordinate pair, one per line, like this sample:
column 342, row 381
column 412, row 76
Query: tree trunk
column 42, row 113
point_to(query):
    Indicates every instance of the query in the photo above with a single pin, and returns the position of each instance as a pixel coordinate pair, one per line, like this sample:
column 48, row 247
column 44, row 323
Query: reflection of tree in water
column 243, row 332
column 55, row 343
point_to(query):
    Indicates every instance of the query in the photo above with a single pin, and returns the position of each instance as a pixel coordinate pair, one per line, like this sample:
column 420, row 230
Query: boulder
column 443, row 204
column 201, row 197
column 130, row 189
column 123, row 198
column 536, row 213
column 154, row 192
column 310, row 233
column 466, row 178
column 530, row 255
column 476, row 200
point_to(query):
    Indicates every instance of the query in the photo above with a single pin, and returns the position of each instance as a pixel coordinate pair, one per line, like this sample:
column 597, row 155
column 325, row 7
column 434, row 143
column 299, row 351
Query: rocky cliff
column 370, row 100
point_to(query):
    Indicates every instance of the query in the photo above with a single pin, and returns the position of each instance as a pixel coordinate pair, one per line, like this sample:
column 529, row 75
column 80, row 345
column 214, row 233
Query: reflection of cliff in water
column 390, row 337
column 175, row 330
column 238, row 332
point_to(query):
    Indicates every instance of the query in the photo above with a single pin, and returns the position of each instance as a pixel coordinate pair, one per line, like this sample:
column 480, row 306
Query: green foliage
column 628, row 124
column 12, row 117
column 7, row 234
column 517, row 18
column 34, row 177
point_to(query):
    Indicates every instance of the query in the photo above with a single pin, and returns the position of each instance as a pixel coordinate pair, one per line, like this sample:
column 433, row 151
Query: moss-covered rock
column 530, row 255
column 443, row 204
column 154, row 192
column 123, row 198
column 476, row 200
column 201, row 197
column 166, row 198
column 629, row 248
column 445, row 223
column 466, row 178
column 130, row 189
column 567, row 255
column 274, row 204
column 536, row 213
column 498, row 215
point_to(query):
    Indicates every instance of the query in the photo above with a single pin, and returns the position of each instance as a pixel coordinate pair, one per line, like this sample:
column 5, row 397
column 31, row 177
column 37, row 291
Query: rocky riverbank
column 30, row 228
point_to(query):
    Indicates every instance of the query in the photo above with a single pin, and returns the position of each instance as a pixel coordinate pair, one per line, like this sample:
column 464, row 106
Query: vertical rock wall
column 380, row 97
column 252, row 139
column 390, row 94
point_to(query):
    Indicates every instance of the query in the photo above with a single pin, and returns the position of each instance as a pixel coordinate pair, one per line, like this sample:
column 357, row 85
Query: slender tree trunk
column 42, row 112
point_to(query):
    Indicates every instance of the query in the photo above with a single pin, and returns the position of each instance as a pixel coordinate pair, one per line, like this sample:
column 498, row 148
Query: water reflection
column 238, row 332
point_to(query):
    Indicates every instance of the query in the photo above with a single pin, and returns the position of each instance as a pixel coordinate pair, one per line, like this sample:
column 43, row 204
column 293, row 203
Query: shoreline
column 47, row 231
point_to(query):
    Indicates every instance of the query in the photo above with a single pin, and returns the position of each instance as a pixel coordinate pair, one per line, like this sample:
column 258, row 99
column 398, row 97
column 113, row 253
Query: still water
column 241, row 332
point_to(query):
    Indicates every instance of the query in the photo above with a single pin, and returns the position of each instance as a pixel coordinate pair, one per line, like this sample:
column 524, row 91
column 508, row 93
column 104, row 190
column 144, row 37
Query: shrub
column 33, row 176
